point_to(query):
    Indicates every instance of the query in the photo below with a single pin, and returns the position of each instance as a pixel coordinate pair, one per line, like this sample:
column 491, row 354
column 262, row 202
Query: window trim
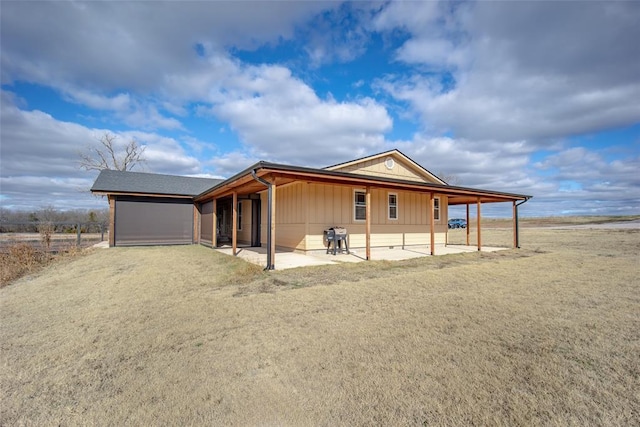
column 239, row 211
column 436, row 208
column 355, row 205
column 389, row 206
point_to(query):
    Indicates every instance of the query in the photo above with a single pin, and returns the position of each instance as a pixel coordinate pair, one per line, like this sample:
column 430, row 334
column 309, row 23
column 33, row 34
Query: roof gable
column 115, row 181
column 390, row 164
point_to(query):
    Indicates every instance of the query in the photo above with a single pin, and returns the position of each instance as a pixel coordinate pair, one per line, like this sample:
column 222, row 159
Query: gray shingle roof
column 114, row 181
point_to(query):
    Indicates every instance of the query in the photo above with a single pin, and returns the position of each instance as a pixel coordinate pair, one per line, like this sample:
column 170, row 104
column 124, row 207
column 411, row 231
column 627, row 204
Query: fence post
column 101, row 232
column 78, row 229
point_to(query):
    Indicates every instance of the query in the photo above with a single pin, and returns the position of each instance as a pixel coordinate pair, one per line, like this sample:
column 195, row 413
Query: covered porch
column 269, row 179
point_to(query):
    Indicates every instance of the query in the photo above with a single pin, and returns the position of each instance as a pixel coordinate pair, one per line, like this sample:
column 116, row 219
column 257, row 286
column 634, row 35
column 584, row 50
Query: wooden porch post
column 468, row 224
column 515, row 225
column 214, row 237
column 272, row 226
column 367, row 228
column 112, row 221
column 432, row 225
column 479, row 231
column 234, row 223
column 196, row 225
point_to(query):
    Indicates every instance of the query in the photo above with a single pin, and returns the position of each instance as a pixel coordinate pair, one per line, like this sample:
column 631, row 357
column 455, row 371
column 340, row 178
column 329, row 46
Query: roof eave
column 141, row 194
column 373, row 180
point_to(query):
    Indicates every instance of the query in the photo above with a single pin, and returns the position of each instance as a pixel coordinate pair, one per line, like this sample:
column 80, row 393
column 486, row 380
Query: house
column 382, row 200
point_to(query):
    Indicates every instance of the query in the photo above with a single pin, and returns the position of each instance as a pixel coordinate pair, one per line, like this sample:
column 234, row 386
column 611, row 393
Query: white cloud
column 164, row 154
column 408, row 16
column 33, row 142
column 593, row 171
column 229, row 164
column 571, row 181
column 281, row 117
column 112, row 45
column 90, row 51
column 337, row 35
column 473, row 163
column 126, row 108
column 148, row 117
column 437, row 40
column 40, row 162
column 519, row 71
column 584, row 181
column 120, row 102
column 37, row 191
column 298, row 132
column 538, row 109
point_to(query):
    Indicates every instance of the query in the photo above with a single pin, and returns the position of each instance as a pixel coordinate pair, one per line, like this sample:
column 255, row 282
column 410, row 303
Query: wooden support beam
column 479, row 230
column 367, row 228
column 234, row 224
column 515, row 225
column 196, row 224
column 307, row 213
column 112, row 221
column 214, row 234
column 272, row 226
column 432, row 225
column 468, row 224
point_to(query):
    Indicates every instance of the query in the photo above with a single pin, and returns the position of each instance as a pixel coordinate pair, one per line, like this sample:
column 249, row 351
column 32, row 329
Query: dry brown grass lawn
column 548, row 221
column 549, row 335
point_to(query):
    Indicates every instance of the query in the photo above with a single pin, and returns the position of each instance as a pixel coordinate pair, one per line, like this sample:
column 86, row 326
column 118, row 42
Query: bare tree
column 108, row 156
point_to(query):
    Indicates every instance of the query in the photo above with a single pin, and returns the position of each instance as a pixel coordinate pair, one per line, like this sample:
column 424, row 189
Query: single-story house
column 385, row 199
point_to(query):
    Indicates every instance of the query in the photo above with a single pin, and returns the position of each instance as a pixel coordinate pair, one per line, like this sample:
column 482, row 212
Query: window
column 436, row 208
column 393, row 206
column 389, row 163
column 360, row 205
column 239, row 215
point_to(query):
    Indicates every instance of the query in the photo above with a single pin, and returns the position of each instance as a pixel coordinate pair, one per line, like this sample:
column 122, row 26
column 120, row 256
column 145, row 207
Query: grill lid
column 336, row 231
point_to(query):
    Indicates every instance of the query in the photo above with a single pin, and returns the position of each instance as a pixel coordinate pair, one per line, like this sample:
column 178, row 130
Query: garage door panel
column 153, row 222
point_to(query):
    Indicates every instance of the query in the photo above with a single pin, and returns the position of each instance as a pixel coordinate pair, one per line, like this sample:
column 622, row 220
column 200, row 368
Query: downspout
column 517, row 221
column 270, row 265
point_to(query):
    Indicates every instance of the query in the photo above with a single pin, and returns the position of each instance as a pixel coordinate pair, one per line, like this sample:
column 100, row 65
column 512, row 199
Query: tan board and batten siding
column 377, row 167
column 305, row 210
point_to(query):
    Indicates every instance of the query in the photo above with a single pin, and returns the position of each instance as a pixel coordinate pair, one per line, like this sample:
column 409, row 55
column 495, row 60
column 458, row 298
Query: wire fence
column 52, row 236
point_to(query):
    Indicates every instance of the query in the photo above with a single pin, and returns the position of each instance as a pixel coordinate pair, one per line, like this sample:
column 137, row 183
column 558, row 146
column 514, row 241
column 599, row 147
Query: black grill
column 336, row 236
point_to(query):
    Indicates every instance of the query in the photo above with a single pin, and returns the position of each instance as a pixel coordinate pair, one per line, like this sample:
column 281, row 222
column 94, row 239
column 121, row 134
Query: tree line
column 109, row 153
column 17, row 221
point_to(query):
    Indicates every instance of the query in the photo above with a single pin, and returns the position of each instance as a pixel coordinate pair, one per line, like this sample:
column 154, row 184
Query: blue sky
column 539, row 98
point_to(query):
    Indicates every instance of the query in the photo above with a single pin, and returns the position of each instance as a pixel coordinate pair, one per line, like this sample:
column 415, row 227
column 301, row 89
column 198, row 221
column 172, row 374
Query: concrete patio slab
column 289, row 259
